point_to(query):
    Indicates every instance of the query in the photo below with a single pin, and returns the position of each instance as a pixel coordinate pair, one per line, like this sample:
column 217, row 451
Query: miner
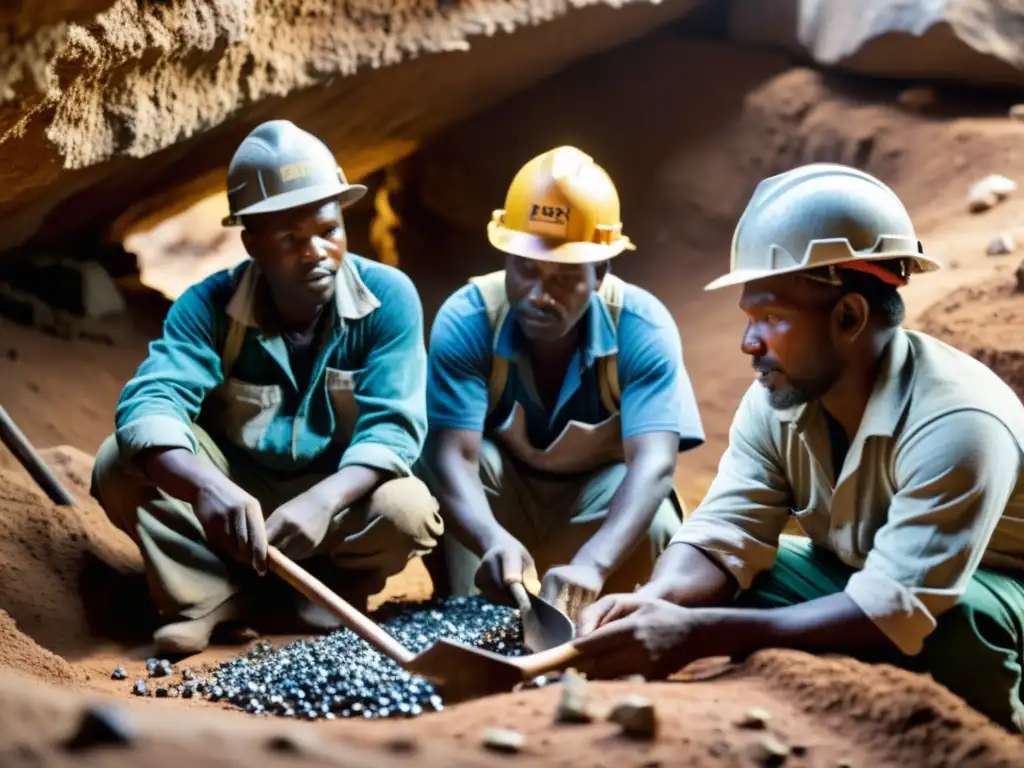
column 283, row 405
column 557, row 401
column 898, row 457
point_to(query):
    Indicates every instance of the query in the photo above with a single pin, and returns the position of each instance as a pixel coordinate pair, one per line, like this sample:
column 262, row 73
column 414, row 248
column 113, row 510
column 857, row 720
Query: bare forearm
column 347, row 486
column 686, row 576
column 462, row 497
column 178, row 472
column 647, row 484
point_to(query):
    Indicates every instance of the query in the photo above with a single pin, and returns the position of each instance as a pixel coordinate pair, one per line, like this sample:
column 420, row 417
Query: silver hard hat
column 280, row 166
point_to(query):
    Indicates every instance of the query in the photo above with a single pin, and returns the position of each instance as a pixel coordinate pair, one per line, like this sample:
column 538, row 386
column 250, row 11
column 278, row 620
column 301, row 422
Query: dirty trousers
column 553, row 516
column 976, row 651
column 374, row 538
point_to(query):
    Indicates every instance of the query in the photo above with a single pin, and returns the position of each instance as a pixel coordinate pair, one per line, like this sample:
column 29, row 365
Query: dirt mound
column 67, row 577
column 19, row 651
column 985, row 321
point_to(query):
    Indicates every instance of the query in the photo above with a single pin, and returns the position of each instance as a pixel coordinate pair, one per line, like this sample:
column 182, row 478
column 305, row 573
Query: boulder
column 132, row 112
column 968, row 41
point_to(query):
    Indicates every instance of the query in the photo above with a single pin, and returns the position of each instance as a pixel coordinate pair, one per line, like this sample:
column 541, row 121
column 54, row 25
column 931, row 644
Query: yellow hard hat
column 561, row 206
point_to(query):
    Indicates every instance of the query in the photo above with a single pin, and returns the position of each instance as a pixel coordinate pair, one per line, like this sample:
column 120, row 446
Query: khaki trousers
column 370, row 541
column 553, row 516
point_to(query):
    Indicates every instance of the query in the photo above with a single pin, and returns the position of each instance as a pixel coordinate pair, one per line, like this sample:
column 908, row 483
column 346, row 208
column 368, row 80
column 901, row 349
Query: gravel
column 340, row 676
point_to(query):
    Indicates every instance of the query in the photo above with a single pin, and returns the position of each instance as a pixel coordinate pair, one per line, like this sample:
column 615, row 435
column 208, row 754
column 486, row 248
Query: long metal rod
column 22, row 449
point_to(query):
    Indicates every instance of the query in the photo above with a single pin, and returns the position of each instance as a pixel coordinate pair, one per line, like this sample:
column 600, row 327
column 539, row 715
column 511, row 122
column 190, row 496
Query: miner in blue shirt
column 283, row 405
column 557, row 401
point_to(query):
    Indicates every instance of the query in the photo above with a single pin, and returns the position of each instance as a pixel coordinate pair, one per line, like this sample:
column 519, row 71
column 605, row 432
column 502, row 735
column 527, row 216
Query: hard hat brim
column 346, row 194
column 742, row 276
column 540, row 248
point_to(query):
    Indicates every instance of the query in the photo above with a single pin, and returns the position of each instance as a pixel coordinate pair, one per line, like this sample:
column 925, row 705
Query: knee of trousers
column 112, row 485
column 410, row 509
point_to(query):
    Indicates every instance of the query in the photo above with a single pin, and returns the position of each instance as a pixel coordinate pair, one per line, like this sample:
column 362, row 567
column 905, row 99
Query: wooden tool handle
column 320, row 594
column 558, row 657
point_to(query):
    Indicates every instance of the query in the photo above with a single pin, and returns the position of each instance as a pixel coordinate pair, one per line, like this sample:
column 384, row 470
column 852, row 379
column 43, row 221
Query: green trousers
column 976, row 651
column 366, row 543
column 552, row 516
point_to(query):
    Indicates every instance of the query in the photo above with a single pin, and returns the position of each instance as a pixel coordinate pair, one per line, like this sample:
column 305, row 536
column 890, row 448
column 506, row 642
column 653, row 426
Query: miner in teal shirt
column 283, row 405
column 557, row 401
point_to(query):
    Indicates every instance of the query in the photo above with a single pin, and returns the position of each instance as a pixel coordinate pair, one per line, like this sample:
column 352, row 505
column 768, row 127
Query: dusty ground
column 58, row 643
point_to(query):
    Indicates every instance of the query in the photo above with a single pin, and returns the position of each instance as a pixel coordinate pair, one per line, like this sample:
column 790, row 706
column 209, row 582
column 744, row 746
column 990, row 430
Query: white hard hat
column 820, row 215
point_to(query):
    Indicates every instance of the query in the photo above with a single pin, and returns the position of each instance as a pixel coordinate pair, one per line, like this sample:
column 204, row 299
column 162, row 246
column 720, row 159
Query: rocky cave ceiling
column 115, row 113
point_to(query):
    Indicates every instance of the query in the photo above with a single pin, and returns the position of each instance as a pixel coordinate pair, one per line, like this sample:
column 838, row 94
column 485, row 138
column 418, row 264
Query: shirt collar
column 889, row 397
column 599, row 337
column 352, row 299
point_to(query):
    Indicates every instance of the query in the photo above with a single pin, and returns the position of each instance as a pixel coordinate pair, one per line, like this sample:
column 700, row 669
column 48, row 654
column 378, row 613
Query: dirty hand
column 505, row 562
column 298, row 526
column 656, row 640
column 571, row 588
column 233, row 522
column 608, row 609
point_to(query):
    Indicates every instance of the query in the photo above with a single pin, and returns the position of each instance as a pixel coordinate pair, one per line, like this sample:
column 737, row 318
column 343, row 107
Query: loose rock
column 1001, row 245
column 574, row 706
column 101, row 726
column 635, row 715
column 770, row 751
column 755, row 718
column 503, row 740
column 139, row 689
column 118, row 674
column 163, row 668
column 916, row 98
column 989, row 191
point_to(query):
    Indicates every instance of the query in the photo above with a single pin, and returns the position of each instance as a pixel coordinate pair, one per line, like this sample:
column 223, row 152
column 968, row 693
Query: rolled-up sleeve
column 745, row 510
column 159, row 404
column 954, row 476
column 392, row 424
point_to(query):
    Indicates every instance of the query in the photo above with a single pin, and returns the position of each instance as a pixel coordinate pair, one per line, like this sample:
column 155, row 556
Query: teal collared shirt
column 363, row 402
column 656, row 391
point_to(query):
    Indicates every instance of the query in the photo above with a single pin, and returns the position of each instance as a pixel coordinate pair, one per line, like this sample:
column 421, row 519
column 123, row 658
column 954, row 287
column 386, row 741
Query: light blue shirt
column 373, row 338
column 656, row 391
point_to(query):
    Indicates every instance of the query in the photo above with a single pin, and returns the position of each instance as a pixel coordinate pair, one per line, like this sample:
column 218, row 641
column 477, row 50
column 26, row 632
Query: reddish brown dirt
column 56, row 564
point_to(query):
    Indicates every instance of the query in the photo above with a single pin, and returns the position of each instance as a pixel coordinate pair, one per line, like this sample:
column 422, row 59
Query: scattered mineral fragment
column 119, row 674
column 1001, row 245
column 769, row 751
column 634, row 714
column 989, row 191
column 163, row 668
column 139, row 689
column 574, row 706
column 503, row 740
column 755, row 719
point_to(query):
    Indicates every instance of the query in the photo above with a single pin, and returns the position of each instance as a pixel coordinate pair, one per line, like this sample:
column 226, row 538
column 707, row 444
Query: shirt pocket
column 244, row 411
column 341, row 392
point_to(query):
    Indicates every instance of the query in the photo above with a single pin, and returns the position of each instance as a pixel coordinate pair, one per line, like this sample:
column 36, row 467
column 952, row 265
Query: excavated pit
column 685, row 166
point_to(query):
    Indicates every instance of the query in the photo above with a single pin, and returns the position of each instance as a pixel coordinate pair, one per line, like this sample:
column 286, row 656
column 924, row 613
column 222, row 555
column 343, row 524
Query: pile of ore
column 340, row 675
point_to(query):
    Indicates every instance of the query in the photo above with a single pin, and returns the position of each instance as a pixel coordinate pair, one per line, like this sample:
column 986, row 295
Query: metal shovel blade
column 544, row 626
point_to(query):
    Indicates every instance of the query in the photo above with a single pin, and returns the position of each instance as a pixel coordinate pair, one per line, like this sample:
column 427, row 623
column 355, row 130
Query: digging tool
column 23, row 451
column 459, row 671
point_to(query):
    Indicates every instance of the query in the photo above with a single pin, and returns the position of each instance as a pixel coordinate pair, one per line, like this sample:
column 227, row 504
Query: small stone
column 770, row 751
column 503, row 740
column 1017, row 112
column 989, row 191
column 574, row 706
column 635, row 715
column 139, row 689
column 755, row 718
column 118, row 674
column 916, row 98
column 1001, row 245
column 101, row 726
column 187, row 674
column 163, row 668
column 161, row 693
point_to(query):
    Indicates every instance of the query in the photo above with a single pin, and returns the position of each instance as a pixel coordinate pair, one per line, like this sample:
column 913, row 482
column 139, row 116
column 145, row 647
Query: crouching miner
column 557, row 401
column 899, row 457
column 284, row 404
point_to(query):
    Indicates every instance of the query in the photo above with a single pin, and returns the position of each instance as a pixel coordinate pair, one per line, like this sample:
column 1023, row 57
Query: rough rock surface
column 140, row 108
column 975, row 41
